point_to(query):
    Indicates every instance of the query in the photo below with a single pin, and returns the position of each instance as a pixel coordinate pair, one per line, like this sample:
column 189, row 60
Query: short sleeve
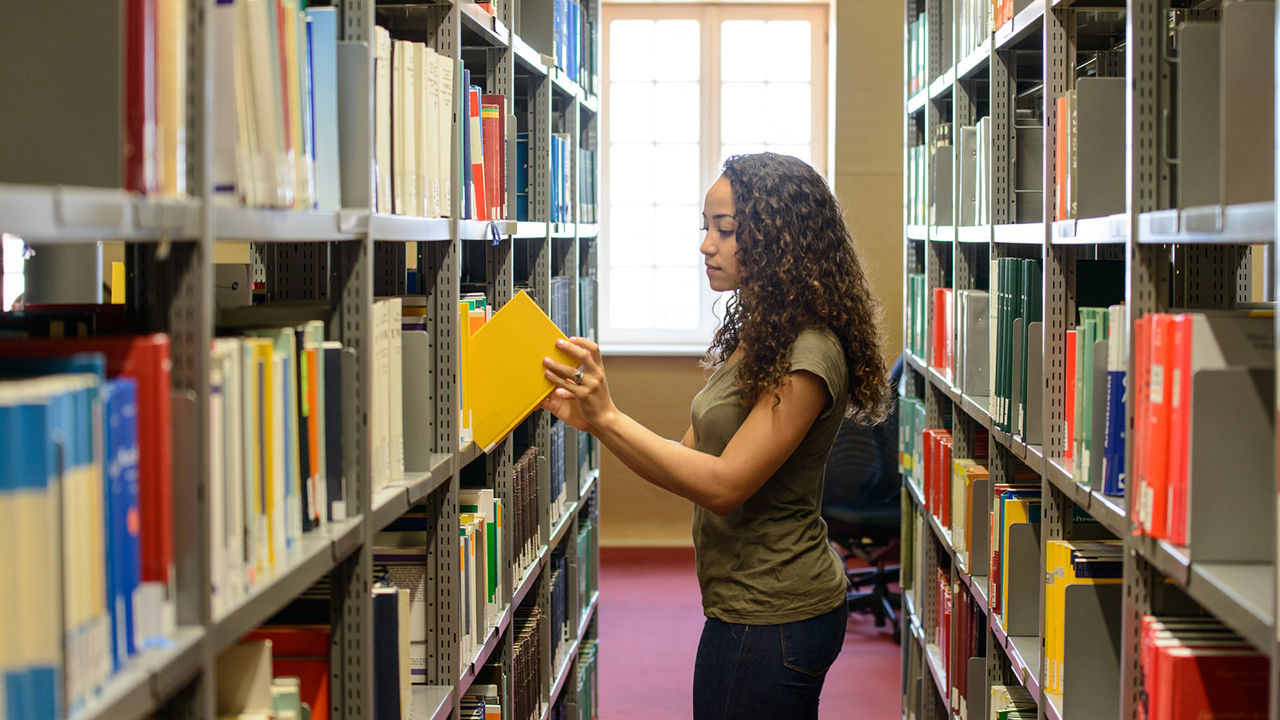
column 819, row 352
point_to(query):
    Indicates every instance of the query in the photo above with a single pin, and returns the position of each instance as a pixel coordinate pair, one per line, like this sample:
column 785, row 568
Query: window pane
column 631, row 235
column 676, row 298
column 804, row 152
column 742, row 113
column 630, row 298
column 741, row 55
column 630, row 50
column 631, row 173
column 676, row 53
column 675, row 176
column 789, row 55
column 13, row 248
column 676, row 235
column 631, row 112
column 788, row 108
column 727, row 150
column 674, row 107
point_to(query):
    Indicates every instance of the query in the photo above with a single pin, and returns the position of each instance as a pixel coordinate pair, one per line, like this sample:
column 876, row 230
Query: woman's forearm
column 666, row 463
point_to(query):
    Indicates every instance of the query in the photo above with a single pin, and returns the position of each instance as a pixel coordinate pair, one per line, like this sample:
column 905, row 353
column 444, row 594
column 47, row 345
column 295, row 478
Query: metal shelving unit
column 333, row 258
column 1197, row 257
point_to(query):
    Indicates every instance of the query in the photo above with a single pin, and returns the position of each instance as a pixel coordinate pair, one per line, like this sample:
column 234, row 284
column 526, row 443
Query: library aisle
column 651, row 612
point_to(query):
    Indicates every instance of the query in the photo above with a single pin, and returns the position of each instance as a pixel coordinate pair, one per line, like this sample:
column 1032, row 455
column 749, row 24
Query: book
column 506, row 367
column 322, row 36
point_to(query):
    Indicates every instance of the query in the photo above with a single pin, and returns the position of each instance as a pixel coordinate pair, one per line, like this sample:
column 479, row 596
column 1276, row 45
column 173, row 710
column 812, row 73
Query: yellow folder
column 507, row 380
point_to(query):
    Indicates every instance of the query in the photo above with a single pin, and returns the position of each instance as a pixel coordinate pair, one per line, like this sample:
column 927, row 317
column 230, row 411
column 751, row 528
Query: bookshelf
column 1011, row 94
column 345, row 258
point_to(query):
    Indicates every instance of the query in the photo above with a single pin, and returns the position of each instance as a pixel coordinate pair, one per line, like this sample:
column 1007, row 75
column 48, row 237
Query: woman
column 798, row 349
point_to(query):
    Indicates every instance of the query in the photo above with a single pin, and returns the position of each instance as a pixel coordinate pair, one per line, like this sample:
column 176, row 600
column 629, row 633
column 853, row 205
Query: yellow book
column 269, row 468
column 464, row 372
column 507, row 380
column 1061, row 573
column 1016, row 510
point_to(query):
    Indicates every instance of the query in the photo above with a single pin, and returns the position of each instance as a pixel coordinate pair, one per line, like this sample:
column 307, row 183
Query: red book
column 937, row 350
column 300, row 651
column 1069, row 393
column 948, row 356
column 944, row 482
column 140, row 158
column 1179, row 428
column 493, row 121
column 1156, row 493
column 1211, row 683
column 145, row 358
column 481, row 204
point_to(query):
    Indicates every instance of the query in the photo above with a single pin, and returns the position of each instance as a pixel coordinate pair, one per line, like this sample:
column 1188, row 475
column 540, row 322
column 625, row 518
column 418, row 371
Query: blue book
column 468, row 212
column 22, row 475
column 322, row 27
column 333, row 370
column 1113, row 475
column 120, row 410
column 573, row 16
column 522, row 176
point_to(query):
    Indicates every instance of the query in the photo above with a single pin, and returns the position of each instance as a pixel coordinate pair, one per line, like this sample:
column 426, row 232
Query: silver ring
column 577, row 377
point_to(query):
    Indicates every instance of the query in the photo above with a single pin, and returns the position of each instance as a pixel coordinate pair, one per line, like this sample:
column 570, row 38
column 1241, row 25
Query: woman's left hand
column 581, row 397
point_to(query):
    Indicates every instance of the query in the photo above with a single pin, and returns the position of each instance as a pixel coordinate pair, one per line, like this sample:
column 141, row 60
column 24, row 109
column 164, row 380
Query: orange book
column 1141, row 394
column 1069, row 393
column 1159, row 420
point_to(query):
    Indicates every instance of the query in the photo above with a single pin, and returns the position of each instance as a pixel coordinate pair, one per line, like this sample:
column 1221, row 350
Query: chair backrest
column 862, row 469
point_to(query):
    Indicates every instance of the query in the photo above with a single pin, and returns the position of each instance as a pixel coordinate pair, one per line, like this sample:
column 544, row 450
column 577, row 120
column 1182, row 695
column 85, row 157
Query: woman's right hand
column 581, row 398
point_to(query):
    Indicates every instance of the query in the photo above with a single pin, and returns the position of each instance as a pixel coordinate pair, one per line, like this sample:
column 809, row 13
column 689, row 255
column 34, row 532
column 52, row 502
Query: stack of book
column 917, row 184
column 1012, row 702
column 942, row 622
column 937, row 445
column 973, row 156
column 588, row 680
column 1194, row 667
column 1095, row 389
column 911, row 427
column 975, row 17
column 587, row 201
column 588, row 558
column 942, row 332
column 400, row 560
column 561, row 178
column 561, row 619
column 483, row 702
column 965, row 475
column 481, row 533
column 972, row 344
column 1171, row 352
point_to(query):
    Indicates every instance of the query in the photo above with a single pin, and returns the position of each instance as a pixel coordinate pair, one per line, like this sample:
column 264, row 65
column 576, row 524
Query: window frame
column 660, row 341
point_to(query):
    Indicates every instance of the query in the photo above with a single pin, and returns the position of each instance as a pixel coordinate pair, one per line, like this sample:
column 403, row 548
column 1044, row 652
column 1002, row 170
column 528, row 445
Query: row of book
column 156, row 97
column 1018, row 305
column 282, row 673
column 976, row 21
column 275, row 450
column 588, row 552
column 1094, row 388
column 574, row 38
column 1089, row 136
column 413, row 126
column 561, row 178
column 86, row 501
column 276, row 99
column 1068, row 563
column 482, row 702
column 917, row 185
column 526, row 664
column 917, row 54
column 917, row 307
column 1012, row 702
column 482, row 536
column 525, row 525
column 588, row 680
column 959, row 615
column 1171, row 352
column 561, row 620
column 1194, row 667
column 588, row 197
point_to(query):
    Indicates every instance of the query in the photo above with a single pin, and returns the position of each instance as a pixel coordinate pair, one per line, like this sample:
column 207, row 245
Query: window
column 13, row 282
column 686, row 86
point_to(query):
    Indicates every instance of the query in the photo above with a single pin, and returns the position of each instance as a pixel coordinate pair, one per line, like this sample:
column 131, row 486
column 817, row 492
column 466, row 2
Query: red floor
column 650, row 618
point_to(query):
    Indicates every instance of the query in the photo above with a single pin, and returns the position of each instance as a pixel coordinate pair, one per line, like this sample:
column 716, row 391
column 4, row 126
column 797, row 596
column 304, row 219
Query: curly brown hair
column 799, row 270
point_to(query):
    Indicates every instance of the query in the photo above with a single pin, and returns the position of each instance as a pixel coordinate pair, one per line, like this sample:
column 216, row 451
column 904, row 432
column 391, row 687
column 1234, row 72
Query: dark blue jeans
column 765, row 672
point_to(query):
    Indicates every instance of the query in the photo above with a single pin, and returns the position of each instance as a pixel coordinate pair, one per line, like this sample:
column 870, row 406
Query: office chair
column 861, row 504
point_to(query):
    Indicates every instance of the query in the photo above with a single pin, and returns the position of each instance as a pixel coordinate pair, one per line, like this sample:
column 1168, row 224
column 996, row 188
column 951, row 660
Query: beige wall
column 868, row 181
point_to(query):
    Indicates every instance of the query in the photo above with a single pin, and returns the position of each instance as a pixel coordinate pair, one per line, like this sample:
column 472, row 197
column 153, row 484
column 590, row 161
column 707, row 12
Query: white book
column 379, row 414
column 445, row 81
column 217, row 489
column 409, row 133
column 226, row 353
column 226, row 106
column 395, row 390
column 382, row 77
column 399, row 101
column 272, row 156
column 421, row 120
column 431, row 141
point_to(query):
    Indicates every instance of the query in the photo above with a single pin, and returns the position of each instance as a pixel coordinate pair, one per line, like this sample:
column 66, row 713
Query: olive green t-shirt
column 768, row 562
